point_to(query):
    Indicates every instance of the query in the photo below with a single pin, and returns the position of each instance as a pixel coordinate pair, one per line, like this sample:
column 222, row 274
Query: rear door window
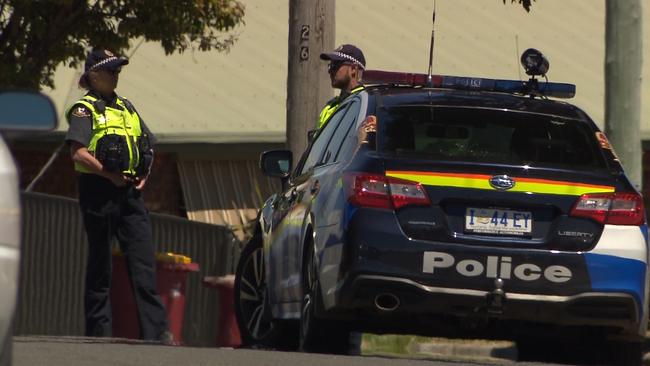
column 488, row 136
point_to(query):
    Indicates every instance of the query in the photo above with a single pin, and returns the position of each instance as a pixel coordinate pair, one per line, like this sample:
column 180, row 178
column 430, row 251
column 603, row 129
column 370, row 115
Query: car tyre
column 252, row 308
column 7, row 349
column 531, row 348
column 625, row 353
column 586, row 351
column 318, row 335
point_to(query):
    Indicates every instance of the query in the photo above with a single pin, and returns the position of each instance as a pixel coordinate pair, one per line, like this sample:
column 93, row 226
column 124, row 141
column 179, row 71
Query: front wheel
column 318, row 335
column 252, row 309
column 6, row 352
column 625, row 353
column 581, row 350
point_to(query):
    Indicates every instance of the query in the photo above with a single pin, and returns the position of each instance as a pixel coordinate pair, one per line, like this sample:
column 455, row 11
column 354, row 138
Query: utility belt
column 112, row 151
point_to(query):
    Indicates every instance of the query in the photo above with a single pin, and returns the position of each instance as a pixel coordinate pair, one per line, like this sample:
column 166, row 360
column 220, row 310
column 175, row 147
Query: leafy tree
column 38, row 35
column 525, row 3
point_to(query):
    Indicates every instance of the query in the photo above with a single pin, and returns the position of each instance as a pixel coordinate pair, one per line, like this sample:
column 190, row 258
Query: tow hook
column 496, row 298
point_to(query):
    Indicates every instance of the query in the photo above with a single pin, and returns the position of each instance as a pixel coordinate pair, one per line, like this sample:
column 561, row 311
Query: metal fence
column 53, row 266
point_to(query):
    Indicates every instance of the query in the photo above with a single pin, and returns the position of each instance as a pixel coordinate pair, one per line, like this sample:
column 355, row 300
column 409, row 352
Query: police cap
column 346, row 53
column 103, row 59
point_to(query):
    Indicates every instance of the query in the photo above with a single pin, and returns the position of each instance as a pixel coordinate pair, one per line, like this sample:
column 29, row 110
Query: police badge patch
column 81, row 111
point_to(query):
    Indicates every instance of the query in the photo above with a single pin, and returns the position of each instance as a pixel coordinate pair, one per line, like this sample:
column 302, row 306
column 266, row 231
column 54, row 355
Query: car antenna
column 430, row 72
column 517, row 54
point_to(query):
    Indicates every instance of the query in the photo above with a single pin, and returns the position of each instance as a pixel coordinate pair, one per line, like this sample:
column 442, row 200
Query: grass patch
column 391, row 344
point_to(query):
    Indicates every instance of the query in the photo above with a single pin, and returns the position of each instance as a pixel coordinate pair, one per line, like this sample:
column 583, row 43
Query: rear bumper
column 604, row 288
column 618, row 310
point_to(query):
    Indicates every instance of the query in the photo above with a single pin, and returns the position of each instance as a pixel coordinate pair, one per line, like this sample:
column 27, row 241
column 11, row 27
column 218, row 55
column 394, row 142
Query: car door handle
column 314, row 187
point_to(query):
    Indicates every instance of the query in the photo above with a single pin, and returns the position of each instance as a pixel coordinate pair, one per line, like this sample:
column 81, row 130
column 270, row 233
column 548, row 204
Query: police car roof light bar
column 531, row 87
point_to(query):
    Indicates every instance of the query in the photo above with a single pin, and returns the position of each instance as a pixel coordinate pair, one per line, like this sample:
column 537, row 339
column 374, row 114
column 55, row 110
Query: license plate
column 497, row 221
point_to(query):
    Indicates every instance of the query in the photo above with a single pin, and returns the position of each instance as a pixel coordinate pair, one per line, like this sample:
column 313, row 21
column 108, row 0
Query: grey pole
column 623, row 61
column 311, row 31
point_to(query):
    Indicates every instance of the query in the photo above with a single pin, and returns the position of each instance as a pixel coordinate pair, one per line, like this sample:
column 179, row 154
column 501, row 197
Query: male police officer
column 346, row 70
column 110, row 146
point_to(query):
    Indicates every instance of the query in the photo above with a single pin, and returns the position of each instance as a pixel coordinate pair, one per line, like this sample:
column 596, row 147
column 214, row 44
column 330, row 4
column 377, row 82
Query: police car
column 478, row 208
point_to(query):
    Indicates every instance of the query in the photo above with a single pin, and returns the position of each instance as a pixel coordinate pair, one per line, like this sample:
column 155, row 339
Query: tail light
column 611, row 208
column 371, row 190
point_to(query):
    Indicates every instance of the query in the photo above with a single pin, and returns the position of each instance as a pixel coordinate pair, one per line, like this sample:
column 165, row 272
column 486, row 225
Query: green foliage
column 525, row 3
column 37, row 36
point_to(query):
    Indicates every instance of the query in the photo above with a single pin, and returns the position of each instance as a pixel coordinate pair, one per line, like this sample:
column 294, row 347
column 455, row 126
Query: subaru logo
column 502, row 182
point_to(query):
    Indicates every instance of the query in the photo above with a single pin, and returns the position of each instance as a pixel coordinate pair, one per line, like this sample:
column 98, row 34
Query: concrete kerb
column 501, row 350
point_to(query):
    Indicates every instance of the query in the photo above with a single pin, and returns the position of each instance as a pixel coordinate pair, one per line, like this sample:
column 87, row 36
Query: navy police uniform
column 109, row 211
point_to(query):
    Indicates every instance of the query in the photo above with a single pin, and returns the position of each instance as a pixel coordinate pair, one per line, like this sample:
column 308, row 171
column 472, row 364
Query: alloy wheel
column 253, row 302
column 308, row 297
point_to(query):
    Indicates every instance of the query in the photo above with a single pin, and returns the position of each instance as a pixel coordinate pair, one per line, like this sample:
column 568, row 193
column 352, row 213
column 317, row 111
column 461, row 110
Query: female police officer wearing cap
column 110, row 146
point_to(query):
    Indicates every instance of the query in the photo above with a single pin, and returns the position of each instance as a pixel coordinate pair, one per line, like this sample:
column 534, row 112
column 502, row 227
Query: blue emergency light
column 531, row 87
column 533, row 61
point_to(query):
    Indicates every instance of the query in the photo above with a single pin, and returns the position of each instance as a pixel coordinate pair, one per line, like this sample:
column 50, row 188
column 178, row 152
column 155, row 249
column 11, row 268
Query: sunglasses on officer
column 334, row 66
column 114, row 70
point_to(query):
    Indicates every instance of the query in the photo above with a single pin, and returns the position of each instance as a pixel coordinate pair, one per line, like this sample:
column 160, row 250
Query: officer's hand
column 118, row 179
column 368, row 126
column 140, row 182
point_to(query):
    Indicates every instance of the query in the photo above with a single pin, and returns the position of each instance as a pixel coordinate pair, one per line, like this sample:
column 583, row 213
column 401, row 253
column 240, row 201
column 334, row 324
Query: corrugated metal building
column 217, row 111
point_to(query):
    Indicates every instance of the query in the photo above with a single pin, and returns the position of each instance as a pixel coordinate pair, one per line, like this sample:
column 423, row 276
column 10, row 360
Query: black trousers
column 108, row 212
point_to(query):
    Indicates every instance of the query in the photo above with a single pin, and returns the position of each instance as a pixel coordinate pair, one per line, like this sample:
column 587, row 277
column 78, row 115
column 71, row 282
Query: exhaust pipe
column 386, row 302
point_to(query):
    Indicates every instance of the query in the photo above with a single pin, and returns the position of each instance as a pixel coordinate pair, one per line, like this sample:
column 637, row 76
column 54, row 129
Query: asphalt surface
column 78, row 351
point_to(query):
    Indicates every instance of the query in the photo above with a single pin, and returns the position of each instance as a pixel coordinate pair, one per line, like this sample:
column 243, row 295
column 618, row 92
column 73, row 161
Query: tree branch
column 37, row 36
column 525, row 3
column 10, row 34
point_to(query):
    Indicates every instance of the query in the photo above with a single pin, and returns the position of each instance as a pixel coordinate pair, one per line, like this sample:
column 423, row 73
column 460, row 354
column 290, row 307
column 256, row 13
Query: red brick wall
column 162, row 193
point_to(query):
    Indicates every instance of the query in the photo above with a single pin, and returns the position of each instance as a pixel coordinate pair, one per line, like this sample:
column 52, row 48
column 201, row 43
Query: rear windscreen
column 486, row 135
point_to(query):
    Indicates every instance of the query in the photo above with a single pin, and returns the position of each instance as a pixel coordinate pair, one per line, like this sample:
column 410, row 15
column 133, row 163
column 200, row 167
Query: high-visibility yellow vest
column 123, row 121
column 333, row 105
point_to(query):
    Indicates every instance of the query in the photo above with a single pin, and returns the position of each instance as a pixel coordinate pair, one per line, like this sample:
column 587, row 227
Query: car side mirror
column 311, row 134
column 26, row 111
column 276, row 163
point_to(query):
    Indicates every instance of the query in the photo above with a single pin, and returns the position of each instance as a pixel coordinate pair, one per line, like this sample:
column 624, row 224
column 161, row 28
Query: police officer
column 346, row 70
column 111, row 149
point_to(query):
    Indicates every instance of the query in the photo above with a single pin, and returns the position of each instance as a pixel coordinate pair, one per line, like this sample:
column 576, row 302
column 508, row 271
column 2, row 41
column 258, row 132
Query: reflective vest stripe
column 325, row 114
column 332, row 106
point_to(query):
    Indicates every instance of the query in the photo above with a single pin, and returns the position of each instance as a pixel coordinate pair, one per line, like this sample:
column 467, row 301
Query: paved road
column 75, row 351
